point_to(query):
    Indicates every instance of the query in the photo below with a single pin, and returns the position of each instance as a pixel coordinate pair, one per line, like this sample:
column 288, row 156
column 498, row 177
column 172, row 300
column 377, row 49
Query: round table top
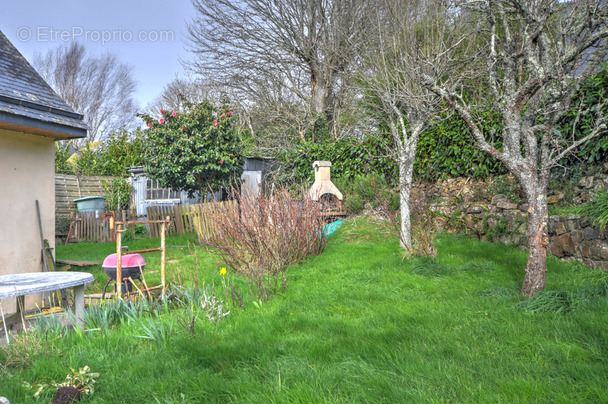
column 38, row 282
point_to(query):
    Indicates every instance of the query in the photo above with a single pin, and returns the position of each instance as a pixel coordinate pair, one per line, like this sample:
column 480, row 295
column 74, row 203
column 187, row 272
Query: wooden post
column 112, row 232
column 118, row 262
column 162, row 254
column 179, row 222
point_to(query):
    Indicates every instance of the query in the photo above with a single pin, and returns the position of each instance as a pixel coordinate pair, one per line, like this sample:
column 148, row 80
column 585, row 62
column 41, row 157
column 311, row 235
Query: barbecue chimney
column 323, row 185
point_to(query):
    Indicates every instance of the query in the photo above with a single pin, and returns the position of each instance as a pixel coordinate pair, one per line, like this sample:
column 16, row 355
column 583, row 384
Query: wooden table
column 19, row 285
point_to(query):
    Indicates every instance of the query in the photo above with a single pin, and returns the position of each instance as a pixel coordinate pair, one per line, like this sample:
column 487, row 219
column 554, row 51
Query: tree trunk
column 535, row 188
column 318, row 93
column 405, row 237
column 406, row 168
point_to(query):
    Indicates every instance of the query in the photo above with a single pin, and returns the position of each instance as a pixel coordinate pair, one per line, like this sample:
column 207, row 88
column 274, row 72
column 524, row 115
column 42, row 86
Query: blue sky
column 148, row 35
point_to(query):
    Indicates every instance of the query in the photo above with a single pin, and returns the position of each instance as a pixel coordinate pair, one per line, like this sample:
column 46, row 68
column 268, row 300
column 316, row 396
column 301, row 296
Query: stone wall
column 574, row 236
column 495, row 210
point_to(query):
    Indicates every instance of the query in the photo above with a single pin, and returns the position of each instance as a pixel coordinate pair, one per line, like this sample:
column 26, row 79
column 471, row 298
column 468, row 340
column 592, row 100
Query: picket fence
column 185, row 218
column 95, row 226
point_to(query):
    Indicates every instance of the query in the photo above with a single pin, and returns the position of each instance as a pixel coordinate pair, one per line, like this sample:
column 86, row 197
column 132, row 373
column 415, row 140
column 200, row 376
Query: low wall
column 474, row 207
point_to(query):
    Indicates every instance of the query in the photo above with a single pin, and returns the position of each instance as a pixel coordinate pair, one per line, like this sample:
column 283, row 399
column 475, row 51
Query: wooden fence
column 95, row 226
column 184, row 218
column 70, row 187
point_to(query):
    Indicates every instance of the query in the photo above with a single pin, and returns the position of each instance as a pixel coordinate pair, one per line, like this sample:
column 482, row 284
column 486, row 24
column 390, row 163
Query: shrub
column 118, row 193
column 596, row 209
column 424, row 226
column 350, row 157
column 62, row 154
column 260, row 237
column 194, row 150
column 368, row 191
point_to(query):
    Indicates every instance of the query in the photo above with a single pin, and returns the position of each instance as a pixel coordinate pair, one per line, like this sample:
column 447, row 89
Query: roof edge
column 40, row 107
column 34, row 126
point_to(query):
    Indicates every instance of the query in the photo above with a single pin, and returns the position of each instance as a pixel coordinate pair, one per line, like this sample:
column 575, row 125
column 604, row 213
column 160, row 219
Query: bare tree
column 193, row 90
column 395, row 32
column 538, row 54
column 264, row 48
column 99, row 87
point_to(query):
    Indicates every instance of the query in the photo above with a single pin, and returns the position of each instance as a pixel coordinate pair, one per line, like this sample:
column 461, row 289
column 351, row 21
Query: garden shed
column 32, row 118
column 255, row 174
column 148, row 192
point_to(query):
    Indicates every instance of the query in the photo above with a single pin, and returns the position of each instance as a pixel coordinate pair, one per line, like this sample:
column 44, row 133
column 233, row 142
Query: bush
column 596, row 209
column 194, row 150
column 446, row 149
column 113, row 156
column 62, row 226
column 118, row 193
column 260, row 237
column 367, row 192
column 424, row 227
column 350, row 158
column 62, row 154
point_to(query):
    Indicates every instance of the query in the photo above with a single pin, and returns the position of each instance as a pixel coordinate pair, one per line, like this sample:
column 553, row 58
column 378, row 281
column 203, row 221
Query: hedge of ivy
column 446, row 150
column 349, row 157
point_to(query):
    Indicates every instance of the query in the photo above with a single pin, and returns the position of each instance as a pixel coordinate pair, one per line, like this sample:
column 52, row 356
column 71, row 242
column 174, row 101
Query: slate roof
column 28, row 104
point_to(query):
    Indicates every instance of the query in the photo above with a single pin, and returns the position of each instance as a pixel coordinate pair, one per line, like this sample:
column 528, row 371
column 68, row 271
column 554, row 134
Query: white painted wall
column 27, row 174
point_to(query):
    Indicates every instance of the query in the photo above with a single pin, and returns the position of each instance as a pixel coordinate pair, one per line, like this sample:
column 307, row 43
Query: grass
column 357, row 324
column 563, row 210
column 178, row 248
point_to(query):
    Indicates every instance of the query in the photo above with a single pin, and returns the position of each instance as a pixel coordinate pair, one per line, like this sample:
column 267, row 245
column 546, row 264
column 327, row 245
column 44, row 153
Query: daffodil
column 223, row 271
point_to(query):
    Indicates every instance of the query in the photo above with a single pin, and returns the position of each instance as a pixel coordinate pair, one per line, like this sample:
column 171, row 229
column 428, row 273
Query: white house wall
column 27, row 174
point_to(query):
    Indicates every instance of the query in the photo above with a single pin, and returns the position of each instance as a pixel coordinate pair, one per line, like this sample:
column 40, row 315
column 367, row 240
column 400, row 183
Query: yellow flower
column 223, row 271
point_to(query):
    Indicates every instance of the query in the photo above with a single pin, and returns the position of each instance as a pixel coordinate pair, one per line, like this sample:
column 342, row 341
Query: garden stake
column 140, row 292
column 21, row 307
column 162, row 255
column 45, row 260
column 4, row 324
column 143, row 281
column 118, row 259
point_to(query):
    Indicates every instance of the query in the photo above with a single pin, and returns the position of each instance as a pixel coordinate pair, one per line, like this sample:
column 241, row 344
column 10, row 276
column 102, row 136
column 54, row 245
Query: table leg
column 79, row 303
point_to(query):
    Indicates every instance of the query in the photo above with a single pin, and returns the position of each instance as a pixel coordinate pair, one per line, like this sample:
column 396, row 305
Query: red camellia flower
column 162, row 111
column 184, row 128
column 221, row 161
column 149, row 124
column 232, row 155
column 215, row 122
column 173, row 113
column 223, row 115
column 229, row 113
column 161, row 120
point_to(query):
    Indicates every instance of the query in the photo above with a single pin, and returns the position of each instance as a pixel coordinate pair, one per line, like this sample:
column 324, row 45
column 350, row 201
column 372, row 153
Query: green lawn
column 357, row 324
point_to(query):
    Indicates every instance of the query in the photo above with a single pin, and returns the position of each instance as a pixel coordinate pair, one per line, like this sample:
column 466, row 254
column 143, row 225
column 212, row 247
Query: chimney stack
column 323, row 184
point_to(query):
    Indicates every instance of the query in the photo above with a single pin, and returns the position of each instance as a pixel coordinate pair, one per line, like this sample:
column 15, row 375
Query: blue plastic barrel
column 91, row 204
